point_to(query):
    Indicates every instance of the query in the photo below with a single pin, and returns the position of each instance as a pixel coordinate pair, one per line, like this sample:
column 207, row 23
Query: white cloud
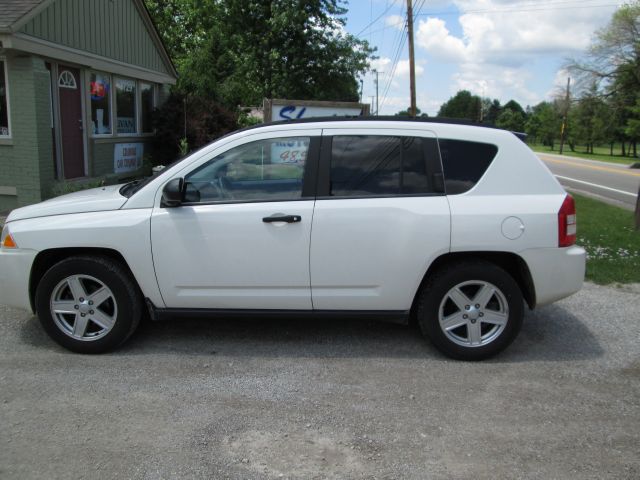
column 402, row 70
column 500, row 39
column 435, row 38
column 395, row 21
column 380, row 64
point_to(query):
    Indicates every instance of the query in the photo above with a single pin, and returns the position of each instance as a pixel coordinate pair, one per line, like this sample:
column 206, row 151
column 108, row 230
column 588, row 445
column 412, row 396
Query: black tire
column 471, row 275
column 123, row 308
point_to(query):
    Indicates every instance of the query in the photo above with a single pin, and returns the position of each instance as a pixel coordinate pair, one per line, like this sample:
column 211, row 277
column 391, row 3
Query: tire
column 471, row 310
column 88, row 304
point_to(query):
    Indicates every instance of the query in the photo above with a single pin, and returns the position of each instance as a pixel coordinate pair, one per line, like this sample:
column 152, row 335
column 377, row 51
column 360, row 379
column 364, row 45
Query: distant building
column 78, row 82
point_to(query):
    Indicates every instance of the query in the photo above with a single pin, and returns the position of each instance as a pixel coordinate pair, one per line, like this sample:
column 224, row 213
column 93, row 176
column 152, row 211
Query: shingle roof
column 13, row 10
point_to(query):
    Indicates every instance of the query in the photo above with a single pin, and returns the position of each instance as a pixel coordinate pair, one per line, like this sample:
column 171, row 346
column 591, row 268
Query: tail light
column 567, row 223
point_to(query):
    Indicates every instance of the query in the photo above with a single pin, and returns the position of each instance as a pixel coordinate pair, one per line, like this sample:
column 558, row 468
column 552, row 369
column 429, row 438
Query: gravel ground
column 287, row 399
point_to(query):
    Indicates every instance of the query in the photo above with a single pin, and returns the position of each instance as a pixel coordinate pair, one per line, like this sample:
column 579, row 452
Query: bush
column 206, row 121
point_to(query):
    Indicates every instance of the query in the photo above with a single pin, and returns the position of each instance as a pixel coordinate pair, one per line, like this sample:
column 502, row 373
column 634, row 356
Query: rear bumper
column 556, row 272
column 15, row 269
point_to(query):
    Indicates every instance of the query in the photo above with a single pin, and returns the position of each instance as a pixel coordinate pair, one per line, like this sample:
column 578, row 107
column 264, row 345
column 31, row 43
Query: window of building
column 99, row 90
column 5, row 131
column 464, row 163
column 125, row 106
column 264, row 170
column 378, row 165
column 146, row 107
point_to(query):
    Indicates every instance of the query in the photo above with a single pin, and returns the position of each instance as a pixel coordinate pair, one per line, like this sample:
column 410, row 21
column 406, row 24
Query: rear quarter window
column 464, row 163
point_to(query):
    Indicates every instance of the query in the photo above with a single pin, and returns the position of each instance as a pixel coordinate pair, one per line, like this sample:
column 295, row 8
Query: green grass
column 613, row 245
column 600, row 153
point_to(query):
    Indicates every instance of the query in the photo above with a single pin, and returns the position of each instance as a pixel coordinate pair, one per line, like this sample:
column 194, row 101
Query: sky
column 504, row 49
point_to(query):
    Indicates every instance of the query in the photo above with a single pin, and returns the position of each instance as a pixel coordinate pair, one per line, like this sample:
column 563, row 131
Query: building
column 78, row 82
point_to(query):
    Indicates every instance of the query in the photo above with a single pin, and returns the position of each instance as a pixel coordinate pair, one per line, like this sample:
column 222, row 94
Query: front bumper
column 15, row 270
column 556, row 272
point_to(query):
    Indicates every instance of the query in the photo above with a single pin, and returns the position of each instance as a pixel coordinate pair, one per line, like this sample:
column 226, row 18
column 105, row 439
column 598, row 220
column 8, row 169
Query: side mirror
column 172, row 193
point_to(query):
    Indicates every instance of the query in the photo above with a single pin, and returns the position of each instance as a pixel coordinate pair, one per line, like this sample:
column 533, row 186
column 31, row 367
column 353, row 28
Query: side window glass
column 264, row 170
column 464, row 163
column 363, row 165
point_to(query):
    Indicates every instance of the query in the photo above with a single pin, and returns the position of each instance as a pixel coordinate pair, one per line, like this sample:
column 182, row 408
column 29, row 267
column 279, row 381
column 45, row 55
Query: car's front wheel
column 88, row 304
column 471, row 310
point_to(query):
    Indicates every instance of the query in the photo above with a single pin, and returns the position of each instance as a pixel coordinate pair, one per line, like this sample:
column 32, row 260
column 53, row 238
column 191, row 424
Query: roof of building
column 13, row 10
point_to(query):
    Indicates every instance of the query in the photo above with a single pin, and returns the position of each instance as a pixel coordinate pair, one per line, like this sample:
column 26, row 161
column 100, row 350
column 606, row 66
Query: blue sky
column 504, row 49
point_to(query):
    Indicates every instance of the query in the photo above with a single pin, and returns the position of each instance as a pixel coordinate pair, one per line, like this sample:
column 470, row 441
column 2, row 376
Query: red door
column 71, row 121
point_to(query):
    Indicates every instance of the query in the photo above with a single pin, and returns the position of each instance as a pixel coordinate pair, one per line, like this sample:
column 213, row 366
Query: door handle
column 282, row 218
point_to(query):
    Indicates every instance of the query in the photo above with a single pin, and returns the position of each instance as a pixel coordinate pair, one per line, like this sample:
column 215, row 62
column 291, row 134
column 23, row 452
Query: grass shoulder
column 603, row 157
column 613, row 245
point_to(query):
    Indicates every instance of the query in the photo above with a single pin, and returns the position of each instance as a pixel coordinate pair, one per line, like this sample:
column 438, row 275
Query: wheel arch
column 48, row 258
column 508, row 261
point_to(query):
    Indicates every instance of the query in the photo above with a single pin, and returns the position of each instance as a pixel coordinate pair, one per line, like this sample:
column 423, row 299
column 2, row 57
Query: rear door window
column 378, row 165
column 464, row 163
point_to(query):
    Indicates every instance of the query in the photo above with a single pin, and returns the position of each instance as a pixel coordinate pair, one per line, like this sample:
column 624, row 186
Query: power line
column 376, row 19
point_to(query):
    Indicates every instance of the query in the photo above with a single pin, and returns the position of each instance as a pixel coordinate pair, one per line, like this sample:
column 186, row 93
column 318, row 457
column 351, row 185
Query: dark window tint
column 377, row 165
column 464, row 163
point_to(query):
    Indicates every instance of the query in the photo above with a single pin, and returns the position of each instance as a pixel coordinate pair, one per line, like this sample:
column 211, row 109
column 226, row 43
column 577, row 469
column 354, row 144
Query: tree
column 511, row 120
column 589, row 120
column 544, row 123
column 462, row 105
column 405, row 113
column 240, row 51
column 514, row 107
column 491, row 110
column 612, row 63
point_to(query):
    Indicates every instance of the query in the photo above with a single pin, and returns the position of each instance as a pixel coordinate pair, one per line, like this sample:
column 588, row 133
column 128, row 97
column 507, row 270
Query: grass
column 600, row 153
column 613, row 245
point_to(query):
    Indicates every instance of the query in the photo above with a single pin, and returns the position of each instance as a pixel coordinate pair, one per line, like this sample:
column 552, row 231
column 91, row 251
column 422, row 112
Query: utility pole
column 377, row 98
column 563, row 129
column 372, row 99
column 412, row 60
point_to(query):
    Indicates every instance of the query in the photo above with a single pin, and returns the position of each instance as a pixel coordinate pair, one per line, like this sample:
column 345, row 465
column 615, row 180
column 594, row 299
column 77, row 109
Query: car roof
column 383, row 118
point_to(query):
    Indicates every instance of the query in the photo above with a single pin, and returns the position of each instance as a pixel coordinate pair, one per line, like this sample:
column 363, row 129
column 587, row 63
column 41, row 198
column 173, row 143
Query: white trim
column 64, row 82
column 64, row 54
column 6, row 85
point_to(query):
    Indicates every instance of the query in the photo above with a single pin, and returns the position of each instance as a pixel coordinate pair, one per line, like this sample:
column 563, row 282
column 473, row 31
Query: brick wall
column 26, row 162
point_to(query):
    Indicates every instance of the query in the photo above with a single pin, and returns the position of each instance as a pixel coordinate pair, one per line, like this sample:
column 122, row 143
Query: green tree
column 462, row 105
column 511, row 120
column 405, row 113
column 544, row 123
column 589, row 120
column 491, row 110
column 240, row 51
column 613, row 64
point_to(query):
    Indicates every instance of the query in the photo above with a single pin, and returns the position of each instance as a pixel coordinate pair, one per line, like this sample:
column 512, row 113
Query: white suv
column 452, row 226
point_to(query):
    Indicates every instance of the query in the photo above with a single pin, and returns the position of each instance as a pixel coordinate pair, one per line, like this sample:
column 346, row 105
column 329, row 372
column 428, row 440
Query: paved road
column 616, row 183
column 349, row 400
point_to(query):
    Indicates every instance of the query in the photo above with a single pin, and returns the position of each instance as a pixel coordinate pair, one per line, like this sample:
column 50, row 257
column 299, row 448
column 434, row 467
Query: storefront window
column 99, row 87
column 146, row 107
column 4, row 102
column 126, row 105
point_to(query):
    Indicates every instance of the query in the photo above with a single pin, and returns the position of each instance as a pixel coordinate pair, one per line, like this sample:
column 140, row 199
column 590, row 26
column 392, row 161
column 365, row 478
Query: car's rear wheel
column 88, row 304
column 471, row 310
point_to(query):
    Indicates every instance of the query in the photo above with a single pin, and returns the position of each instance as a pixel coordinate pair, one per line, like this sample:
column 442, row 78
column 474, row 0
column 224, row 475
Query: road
column 616, row 183
column 258, row 399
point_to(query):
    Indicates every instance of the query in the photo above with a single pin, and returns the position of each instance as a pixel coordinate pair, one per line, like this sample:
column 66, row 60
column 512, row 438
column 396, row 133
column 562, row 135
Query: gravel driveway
column 287, row 399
